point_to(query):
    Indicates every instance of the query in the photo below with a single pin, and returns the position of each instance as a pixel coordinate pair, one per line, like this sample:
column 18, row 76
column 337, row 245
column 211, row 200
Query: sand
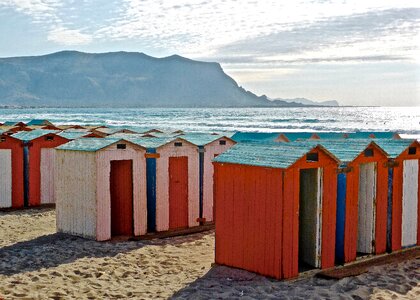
column 37, row 263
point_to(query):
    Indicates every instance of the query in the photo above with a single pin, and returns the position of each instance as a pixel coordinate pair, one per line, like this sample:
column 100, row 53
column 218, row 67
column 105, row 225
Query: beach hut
column 209, row 147
column 362, row 193
column 11, row 172
column 172, row 183
column 39, row 122
column 38, row 147
column 275, row 208
column 404, row 193
column 101, row 188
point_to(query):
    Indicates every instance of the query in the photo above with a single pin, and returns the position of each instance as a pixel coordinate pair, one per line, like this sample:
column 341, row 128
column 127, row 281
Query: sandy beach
column 37, row 263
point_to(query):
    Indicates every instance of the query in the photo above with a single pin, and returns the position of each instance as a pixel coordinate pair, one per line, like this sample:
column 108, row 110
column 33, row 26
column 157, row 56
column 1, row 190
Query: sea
column 336, row 119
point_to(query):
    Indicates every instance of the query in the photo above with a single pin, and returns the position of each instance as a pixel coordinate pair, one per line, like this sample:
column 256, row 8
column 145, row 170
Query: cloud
column 374, row 36
column 39, row 10
column 68, row 37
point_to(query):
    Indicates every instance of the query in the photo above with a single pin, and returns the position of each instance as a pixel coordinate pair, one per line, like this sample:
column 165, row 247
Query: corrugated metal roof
column 31, row 135
column 38, row 122
column 201, row 139
column 393, row 147
column 272, row 155
column 72, row 135
column 254, row 136
column 89, row 145
column 346, row 150
column 11, row 123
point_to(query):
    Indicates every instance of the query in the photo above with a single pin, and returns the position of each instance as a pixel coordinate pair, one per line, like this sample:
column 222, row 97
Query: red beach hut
column 39, row 160
column 11, row 172
column 275, row 208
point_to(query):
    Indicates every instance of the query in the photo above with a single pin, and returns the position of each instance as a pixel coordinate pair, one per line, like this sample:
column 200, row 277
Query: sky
column 359, row 52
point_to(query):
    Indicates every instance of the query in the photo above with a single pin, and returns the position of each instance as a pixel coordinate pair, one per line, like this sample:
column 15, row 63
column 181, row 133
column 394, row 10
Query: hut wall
column 5, row 178
column 75, row 191
column 410, row 203
column 103, row 196
column 35, row 165
column 352, row 200
column 162, row 183
column 397, row 197
column 291, row 213
column 248, row 205
column 211, row 150
column 17, row 185
column 47, row 175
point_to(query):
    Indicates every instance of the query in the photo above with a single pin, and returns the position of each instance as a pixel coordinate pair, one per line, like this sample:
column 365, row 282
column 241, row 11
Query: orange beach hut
column 404, row 193
column 275, row 208
column 38, row 148
column 11, row 172
column 362, row 194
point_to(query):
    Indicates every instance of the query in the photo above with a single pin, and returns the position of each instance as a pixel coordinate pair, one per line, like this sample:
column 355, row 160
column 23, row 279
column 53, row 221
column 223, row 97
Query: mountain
column 123, row 79
column 305, row 101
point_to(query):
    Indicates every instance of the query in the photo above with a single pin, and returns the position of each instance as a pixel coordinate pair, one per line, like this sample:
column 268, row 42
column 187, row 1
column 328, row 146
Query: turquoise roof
column 201, row 139
column 31, row 135
column 88, row 145
column 72, row 135
column 366, row 134
column 146, row 142
column 254, row 136
column 393, row 147
column 38, row 122
column 346, row 150
column 10, row 123
column 272, row 155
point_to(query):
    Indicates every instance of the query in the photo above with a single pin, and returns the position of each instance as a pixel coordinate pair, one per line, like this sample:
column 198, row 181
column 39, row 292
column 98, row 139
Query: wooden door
column 121, row 187
column 366, row 208
column 47, row 175
column 5, row 178
column 310, row 195
column 178, row 192
column 410, row 202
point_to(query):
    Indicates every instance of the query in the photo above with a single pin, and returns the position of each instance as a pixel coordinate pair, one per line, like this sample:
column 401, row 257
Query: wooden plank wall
column 47, row 175
column 397, row 197
column 75, row 192
column 291, row 212
column 162, row 183
column 248, row 204
column 211, row 150
column 5, row 178
column 103, row 196
column 352, row 200
column 17, row 169
column 35, row 165
column 410, row 202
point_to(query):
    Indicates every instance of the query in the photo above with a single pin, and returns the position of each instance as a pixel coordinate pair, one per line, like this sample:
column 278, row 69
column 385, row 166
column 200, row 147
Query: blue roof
column 31, row 135
column 272, row 155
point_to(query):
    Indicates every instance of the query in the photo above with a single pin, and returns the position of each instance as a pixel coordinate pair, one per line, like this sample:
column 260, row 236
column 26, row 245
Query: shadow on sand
column 227, row 283
column 55, row 249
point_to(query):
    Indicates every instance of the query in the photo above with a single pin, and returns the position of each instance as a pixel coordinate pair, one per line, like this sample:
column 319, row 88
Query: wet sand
column 37, row 263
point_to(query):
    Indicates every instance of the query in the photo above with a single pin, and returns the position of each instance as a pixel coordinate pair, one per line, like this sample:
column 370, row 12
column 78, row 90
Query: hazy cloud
column 68, row 37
